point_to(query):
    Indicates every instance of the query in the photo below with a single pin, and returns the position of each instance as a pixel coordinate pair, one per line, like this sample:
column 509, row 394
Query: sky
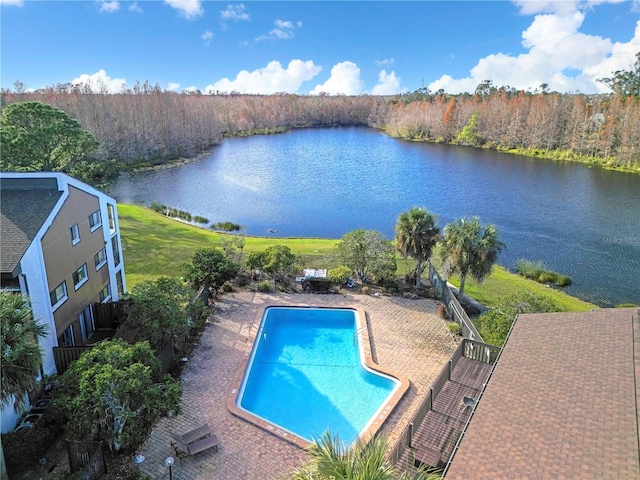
column 313, row 47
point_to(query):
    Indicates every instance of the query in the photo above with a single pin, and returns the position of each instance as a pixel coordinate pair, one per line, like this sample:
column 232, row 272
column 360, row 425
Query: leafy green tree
column 280, row 261
column 98, row 173
column 20, row 350
column 331, row 459
column 35, row 136
column 210, row 268
column 164, row 310
column 416, row 236
column 367, row 252
column 256, row 260
column 495, row 324
column 469, row 249
column 625, row 83
column 115, row 391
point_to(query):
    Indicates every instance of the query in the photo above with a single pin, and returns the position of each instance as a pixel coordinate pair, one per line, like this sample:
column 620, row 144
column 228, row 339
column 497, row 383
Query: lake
column 581, row 221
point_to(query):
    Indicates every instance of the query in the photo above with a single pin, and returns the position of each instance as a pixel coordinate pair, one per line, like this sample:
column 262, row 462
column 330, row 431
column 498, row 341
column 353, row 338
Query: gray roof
column 24, row 207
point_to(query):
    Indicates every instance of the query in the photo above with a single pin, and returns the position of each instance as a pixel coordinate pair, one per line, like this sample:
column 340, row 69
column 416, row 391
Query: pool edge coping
column 363, row 334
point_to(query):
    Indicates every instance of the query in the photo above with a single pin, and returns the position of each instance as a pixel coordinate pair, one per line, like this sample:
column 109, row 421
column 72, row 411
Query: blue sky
column 306, row 47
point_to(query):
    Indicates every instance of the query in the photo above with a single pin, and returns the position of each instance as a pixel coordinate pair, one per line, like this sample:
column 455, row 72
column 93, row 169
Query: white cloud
column 235, row 13
column 388, row 84
column 207, row 37
column 13, row 3
column 100, row 82
column 558, row 54
column 134, row 7
column 270, row 79
column 189, row 8
column 283, row 31
column 109, row 6
column 384, row 61
column 173, row 87
column 344, row 80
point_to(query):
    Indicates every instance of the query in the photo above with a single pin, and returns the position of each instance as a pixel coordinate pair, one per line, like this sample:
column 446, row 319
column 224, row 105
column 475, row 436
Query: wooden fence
column 87, row 458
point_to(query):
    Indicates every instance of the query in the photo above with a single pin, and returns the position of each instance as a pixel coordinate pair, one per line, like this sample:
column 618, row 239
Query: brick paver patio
column 407, row 337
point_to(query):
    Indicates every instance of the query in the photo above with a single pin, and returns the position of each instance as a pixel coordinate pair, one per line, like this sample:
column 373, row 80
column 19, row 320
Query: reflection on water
column 581, row 221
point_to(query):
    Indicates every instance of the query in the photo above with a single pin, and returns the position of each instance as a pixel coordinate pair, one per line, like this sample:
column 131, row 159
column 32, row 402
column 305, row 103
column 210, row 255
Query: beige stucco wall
column 62, row 259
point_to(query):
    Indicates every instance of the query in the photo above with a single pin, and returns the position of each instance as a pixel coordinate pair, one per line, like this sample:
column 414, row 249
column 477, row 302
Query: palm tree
column 468, row 248
column 20, row 350
column 416, row 235
column 331, row 459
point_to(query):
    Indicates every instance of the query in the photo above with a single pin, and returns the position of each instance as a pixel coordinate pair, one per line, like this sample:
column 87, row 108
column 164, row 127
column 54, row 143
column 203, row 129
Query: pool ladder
column 259, row 329
column 356, row 333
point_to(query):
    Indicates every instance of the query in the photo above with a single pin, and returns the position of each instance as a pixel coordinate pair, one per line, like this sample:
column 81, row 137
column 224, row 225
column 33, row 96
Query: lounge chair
column 194, row 441
column 193, row 448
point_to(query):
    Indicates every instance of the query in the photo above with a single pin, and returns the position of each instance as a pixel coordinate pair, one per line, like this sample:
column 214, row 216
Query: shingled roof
column 24, row 207
column 562, row 401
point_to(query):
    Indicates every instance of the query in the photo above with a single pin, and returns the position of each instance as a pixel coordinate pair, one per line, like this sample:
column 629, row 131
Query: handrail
column 452, row 305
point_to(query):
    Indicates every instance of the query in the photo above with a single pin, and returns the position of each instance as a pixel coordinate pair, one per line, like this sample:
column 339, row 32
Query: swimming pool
column 310, row 370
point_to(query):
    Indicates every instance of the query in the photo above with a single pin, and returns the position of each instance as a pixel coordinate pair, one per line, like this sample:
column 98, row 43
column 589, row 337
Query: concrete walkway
column 407, row 337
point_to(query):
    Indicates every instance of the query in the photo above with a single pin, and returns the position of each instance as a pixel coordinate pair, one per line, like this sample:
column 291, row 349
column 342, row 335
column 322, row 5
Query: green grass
column 155, row 245
column 502, row 283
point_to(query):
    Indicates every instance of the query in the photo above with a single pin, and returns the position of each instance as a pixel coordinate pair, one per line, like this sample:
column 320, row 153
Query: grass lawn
column 155, row 245
column 502, row 283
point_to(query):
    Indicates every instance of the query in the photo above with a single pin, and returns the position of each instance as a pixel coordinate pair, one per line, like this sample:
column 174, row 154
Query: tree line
column 147, row 125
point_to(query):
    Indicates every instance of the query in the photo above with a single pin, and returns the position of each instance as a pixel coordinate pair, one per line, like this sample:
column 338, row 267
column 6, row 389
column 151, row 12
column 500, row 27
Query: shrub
column 454, row 327
column 366, row 290
column 226, row 226
column 23, row 448
column 227, row 287
column 158, row 207
column 199, row 219
column 563, row 280
column 339, row 275
column 539, row 272
column 264, row 287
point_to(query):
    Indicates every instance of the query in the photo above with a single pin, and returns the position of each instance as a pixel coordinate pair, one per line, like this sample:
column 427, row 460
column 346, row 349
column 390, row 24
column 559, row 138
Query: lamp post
column 169, row 463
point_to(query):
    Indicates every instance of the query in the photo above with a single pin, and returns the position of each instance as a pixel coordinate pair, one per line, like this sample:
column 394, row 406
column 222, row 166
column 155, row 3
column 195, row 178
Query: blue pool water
column 305, row 374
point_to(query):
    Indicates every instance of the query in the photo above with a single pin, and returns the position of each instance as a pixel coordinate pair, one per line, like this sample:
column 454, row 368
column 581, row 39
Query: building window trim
column 100, row 262
column 95, row 220
column 75, row 234
column 77, row 281
column 68, row 335
column 61, row 299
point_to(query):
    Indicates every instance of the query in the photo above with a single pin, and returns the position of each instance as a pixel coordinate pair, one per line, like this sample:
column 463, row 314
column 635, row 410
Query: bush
column 264, row 287
column 227, row 287
column 366, row 290
column 199, row 219
column 454, row 328
column 23, row 448
column 339, row 275
column 539, row 272
column 159, row 207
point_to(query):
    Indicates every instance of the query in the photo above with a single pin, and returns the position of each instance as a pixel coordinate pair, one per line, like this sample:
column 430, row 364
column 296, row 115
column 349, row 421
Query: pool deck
column 406, row 336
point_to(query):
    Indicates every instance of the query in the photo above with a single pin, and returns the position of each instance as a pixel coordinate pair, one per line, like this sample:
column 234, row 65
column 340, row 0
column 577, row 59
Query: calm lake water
column 581, row 221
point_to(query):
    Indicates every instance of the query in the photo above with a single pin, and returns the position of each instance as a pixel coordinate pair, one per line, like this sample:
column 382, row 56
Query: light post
column 169, row 463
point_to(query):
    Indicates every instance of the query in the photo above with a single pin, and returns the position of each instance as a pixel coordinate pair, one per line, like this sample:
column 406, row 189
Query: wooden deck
column 434, row 440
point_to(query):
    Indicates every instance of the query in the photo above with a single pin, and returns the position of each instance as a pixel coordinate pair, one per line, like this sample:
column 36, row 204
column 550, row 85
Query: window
column 66, row 339
column 75, row 234
column 116, row 251
column 105, row 293
column 85, row 319
column 95, row 220
column 112, row 217
column 80, row 277
column 100, row 258
column 58, row 295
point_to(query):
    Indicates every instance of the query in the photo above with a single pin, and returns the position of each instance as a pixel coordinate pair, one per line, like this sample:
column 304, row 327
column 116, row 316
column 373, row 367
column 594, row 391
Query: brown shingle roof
column 22, row 213
column 561, row 403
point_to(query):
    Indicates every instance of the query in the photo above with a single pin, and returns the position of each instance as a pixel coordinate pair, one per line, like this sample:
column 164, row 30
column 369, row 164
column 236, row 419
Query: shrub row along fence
column 451, row 303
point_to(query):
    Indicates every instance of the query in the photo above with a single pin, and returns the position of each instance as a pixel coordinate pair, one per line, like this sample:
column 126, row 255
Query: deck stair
column 435, row 438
